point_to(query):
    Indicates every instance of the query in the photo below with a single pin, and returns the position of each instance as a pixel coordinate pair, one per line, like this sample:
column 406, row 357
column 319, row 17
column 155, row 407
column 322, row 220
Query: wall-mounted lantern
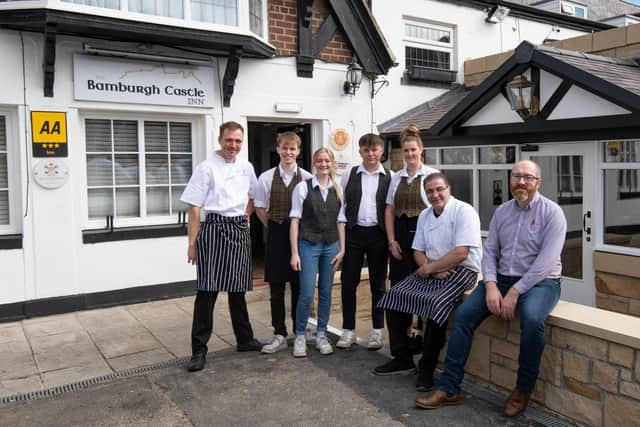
column 520, row 92
column 353, row 78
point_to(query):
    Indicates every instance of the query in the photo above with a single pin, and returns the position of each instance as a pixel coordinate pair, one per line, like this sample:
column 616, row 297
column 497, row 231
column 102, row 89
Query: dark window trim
column 441, row 75
column 133, row 233
column 11, row 241
column 626, row 195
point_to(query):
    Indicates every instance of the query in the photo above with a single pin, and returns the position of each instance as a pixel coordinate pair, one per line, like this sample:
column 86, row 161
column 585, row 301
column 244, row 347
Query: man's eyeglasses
column 527, row 178
column 437, row 190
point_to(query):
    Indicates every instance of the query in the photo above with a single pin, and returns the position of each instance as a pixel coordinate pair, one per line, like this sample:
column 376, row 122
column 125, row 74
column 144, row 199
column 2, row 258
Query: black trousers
column 434, row 339
column 278, row 316
column 372, row 243
column 203, row 319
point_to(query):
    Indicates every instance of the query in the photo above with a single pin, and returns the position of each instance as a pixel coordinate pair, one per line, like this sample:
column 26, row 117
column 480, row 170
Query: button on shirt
column 525, row 242
column 367, row 214
column 457, row 225
column 220, row 187
column 263, row 189
column 423, row 172
column 300, row 195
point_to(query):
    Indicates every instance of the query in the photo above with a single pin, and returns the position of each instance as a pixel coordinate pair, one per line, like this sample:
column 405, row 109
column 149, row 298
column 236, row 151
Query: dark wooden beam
column 49, row 58
column 230, row 74
column 555, row 99
column 324, row 34
column 305, row 59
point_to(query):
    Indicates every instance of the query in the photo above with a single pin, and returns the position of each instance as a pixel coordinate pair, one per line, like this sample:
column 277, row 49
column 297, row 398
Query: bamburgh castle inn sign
column 139, row 82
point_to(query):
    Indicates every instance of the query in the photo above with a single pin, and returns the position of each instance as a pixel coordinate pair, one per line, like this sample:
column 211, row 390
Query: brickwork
column 283, row 31
column 622, row 43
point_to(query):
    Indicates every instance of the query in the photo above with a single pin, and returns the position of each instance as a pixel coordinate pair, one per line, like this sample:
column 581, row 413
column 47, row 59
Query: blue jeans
column 315, row 259
column 534, row 307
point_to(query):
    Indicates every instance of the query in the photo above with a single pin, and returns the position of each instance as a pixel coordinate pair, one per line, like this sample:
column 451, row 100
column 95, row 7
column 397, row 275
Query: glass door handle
column 586, row 229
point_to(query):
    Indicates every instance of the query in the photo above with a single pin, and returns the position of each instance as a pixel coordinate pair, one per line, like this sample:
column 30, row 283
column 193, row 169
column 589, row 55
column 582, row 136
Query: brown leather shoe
column 516, row 403
column 437, row 399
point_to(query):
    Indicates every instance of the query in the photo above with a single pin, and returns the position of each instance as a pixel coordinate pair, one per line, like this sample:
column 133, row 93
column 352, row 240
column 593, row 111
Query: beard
column 521, row 194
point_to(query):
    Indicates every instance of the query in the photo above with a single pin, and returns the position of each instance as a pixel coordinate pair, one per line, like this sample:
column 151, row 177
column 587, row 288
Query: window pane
column 155, row 136
column 426, row 33
column 126, row 169
column 127, row 202
column 255, row 16
column 99, row 170
column 180, row 168
column 215, row 11
column 100, row 202
column 157, row 168
column 427, row 58
column 98, row 135
column 170, row 8
column 497, row 155
column 3, row 134
column 622, row 151
column 622, row 207
column 4, row 207
column 430, row 156
column 494, row 190
column 461, row 184
column 176, row 203
column 125, row 135
column 158, row 201
column 180, row 137
column 109, row 4
column 461, row 156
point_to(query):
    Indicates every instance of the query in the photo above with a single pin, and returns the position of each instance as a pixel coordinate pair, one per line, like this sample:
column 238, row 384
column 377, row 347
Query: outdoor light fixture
column 497, row 14
column 520, row 92
column 353, row 78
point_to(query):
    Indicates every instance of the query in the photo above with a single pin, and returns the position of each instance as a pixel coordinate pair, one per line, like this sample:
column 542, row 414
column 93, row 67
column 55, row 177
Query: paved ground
column 252, row 389
column 234, row 389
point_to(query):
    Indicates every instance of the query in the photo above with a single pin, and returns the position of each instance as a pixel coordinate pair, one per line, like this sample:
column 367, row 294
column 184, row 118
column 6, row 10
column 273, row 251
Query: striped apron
column 224, row 254
column 430, row 298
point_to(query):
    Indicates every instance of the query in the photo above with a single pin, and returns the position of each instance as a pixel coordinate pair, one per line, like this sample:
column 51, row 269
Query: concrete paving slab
column 133, row 402
column 10, row 333
column 114, row 317
column 73, row 374
column 176, row 339
column 114, row 342
column 16, row 360
column 150, row 311
column 9, row 387
column 54, row 352
column 136, row 360
column 51, row 325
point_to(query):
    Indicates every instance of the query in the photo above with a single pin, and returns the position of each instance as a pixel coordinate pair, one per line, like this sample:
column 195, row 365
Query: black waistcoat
column 353, row 195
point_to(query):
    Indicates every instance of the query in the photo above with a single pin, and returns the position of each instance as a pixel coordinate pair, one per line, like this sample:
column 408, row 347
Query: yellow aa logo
column 48, row 127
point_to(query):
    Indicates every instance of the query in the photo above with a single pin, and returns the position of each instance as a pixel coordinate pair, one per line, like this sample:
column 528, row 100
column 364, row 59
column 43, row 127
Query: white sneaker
column 300, row 346
column 323, row 345
column 347, row 339
column 278, row 342
column 375, row 340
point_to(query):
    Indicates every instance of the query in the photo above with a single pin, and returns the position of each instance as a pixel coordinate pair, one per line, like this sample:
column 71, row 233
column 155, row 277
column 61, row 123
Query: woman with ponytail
column 317, row 247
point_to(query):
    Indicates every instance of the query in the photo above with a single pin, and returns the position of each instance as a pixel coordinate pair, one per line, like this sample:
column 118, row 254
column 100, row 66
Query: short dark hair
column 369, row 139
column 435, row 175
column 230, row 126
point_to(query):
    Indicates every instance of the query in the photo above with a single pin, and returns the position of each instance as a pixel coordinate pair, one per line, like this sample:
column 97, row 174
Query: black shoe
column 424, row 382
column 197, row 362
column 415, row 344
column 253, row 345
column 396, row 367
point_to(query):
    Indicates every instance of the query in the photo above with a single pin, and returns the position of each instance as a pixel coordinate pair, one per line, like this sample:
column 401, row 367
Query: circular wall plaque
column 339, row 139
column 51, row 173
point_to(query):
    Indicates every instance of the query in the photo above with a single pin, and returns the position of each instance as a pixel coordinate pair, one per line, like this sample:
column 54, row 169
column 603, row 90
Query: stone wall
column 623, row 42
column 283, row 31
column 617, row 282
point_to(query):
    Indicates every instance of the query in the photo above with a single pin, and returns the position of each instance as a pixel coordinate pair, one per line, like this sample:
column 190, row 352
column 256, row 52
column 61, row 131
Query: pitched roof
column 597, row 9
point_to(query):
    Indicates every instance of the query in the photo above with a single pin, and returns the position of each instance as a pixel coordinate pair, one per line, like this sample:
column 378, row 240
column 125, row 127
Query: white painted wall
column 475, row 38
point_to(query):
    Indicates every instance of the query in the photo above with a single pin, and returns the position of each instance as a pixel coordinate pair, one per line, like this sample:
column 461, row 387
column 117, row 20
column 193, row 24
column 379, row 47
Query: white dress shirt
column 457, row 225
column 220, row 187
column 300, row 195
column 367, row 213
column 263, row 189
column 423, row 172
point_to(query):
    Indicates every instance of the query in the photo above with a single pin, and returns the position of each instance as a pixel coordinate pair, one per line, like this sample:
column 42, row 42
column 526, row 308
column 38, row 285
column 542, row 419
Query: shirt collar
column 282, row 173
column 404, row 172
column 315, row 183
column 361, row 169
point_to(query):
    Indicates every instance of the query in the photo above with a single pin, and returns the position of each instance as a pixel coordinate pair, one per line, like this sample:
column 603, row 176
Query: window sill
column 11, row 241
column 406, row 80
column 133, row 233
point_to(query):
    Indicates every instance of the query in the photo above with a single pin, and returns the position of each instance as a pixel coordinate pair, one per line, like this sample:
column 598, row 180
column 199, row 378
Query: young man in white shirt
column 273, row 203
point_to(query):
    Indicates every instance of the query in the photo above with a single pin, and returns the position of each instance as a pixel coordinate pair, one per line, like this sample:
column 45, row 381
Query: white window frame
column 569, row 8
column 13, row 173
column 475, row 167
column 603, row 166
column 143, row 219
column 431, row 44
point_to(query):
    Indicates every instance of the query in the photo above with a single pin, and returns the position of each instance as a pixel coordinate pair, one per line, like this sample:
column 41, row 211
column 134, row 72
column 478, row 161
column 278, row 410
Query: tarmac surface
column 251, row 389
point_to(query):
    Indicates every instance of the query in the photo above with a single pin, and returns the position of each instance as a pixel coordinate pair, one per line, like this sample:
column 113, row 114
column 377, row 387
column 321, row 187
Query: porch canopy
column 578, row 96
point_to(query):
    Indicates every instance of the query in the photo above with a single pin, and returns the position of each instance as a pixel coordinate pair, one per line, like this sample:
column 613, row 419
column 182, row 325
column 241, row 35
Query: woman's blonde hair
column 332, row 172
column 411, row 133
